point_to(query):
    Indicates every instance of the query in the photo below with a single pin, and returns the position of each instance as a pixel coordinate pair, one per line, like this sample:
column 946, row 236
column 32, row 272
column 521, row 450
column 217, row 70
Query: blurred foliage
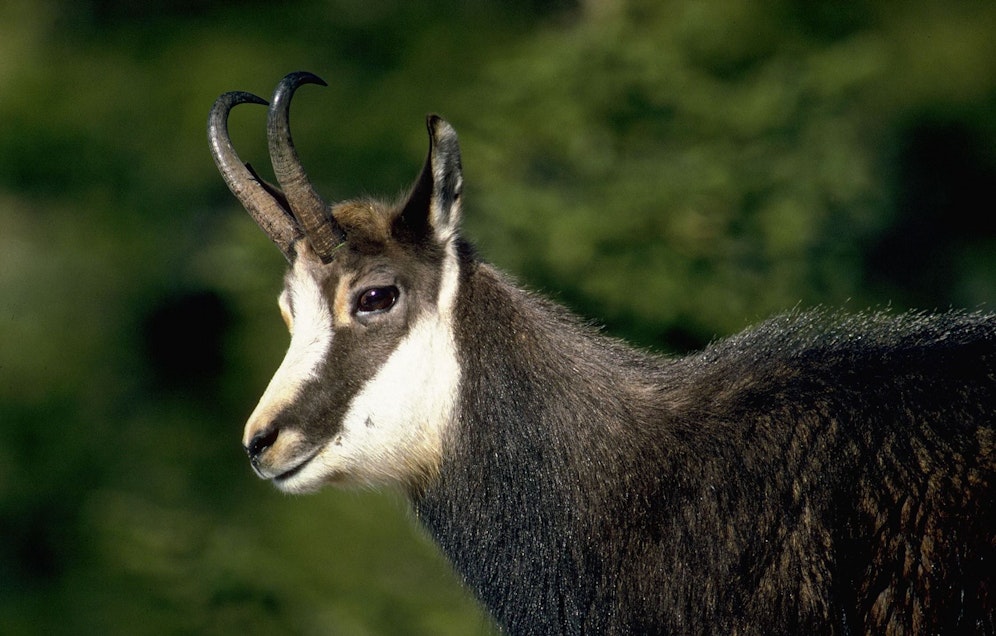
column 674, row 170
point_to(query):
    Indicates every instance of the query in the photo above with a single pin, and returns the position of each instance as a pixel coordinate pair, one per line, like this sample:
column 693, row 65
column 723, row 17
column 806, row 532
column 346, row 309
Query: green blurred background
column 672, row 170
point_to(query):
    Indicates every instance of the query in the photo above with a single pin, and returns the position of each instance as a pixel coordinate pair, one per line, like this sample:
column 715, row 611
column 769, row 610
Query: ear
column 432, row 209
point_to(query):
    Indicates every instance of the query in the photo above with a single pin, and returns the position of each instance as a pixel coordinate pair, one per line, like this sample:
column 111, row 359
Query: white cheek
column 394, row 427
column 310, row 342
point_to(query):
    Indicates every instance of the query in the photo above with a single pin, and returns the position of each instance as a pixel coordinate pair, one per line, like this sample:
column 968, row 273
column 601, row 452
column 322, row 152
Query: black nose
column 258, row 444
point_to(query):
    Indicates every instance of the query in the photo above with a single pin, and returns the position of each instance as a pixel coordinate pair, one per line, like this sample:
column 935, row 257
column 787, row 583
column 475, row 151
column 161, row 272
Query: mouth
column 294, row 470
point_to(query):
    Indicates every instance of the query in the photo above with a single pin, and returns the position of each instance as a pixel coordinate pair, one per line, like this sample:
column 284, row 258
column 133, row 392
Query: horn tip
column 231, row 99
column 303, row 77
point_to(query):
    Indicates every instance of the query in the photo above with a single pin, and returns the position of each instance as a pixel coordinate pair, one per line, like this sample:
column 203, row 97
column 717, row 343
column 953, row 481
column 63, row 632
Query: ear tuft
column 433, row 206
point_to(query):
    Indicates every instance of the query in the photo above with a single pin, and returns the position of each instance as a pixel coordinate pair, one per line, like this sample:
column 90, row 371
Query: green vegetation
column 673, row 170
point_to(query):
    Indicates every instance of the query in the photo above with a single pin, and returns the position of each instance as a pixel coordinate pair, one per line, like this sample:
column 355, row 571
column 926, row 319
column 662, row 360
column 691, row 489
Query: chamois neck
column 548, row 409
column 507, row 333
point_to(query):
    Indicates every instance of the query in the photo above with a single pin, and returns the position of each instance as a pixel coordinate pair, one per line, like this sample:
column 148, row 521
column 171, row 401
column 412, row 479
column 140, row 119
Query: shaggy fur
column 817, row 474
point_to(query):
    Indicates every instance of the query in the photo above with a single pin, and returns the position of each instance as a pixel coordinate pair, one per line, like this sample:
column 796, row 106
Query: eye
column 377, row 299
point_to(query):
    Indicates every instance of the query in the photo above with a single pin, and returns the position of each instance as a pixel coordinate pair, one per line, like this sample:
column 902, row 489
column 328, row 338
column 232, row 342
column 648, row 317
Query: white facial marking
column 393, row 429
column 310, row 340
column 283, row 302
column 342, row 310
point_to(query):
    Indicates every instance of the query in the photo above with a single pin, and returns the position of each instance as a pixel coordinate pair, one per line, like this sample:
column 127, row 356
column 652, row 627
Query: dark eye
column 377, row 299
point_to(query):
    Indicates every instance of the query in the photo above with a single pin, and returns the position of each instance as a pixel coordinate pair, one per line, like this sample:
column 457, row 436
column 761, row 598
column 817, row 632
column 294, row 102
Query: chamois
column 819, row 473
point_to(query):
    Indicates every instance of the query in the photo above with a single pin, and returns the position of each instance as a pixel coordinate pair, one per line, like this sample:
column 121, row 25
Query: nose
column 260, row 442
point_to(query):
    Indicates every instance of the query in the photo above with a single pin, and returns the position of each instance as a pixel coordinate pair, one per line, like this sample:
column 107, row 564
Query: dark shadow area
column 184, row 338
column 944, row 195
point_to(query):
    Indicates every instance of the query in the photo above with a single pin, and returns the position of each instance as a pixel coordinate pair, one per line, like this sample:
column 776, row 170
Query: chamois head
column 369, row 382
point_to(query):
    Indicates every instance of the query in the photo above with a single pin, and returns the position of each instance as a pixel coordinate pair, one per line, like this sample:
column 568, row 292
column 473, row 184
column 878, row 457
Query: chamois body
column 819, row 473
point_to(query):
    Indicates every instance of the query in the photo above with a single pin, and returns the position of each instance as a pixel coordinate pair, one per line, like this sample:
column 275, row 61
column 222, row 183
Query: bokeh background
column 673, row 170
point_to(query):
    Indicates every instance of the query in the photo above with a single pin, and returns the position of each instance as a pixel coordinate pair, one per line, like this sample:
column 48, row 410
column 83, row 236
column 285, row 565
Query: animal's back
column 858, row 453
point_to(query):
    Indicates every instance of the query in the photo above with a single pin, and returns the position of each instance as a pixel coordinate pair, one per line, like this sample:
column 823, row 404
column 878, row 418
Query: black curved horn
column 311, row 211
column 258, row 200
